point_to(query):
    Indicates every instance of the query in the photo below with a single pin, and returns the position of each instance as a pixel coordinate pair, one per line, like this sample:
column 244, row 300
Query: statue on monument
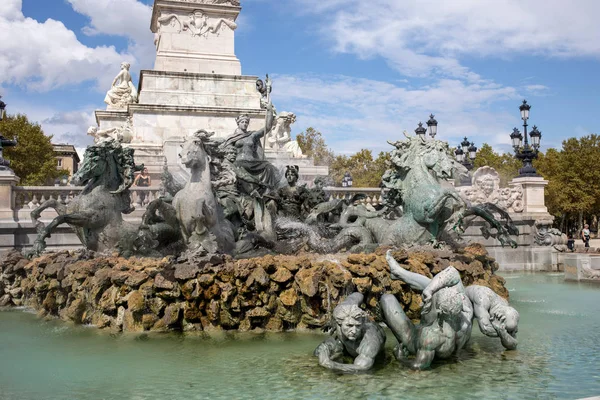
column 279, row 138
column 122, row 91
column 122, row 134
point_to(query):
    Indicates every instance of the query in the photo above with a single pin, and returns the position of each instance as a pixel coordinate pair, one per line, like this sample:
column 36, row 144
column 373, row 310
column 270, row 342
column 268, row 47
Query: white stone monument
column 196, row 84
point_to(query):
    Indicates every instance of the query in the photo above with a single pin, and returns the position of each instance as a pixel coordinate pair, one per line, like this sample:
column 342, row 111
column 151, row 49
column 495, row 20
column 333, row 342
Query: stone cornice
column 217, row 111
column 104, row 114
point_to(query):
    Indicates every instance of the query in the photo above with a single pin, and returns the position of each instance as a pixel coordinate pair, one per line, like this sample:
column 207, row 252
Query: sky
column 359, row 71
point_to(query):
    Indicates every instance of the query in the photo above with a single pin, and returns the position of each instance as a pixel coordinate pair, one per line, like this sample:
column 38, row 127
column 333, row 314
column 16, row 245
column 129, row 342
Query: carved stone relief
column 197, row 23
column 486, row 189
column 545, row 235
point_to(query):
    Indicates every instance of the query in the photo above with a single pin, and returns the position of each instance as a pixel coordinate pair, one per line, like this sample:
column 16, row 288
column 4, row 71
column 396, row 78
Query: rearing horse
column 95, row 214
column 419, row 167
column 203, row 226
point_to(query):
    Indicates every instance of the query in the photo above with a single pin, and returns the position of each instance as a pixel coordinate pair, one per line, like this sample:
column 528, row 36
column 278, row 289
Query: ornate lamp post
column 420, row 131
column 4, row 164
column 432, row 126
column 2, row 107
column 347, row 180
column 524, row 151
column 465, row 154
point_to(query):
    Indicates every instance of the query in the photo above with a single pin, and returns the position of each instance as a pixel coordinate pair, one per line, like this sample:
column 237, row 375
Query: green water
column 558, row 357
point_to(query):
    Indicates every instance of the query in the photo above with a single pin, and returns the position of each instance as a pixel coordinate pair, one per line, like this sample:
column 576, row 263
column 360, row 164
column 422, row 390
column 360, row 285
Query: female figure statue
column 291, row 199
column 256, row 176
column 123, row 91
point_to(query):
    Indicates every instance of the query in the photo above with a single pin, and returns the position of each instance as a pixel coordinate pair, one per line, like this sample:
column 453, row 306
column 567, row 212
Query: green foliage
column 505, row 164
column 365, row 171
column 313, row 145
column 573, row 188
column 33, row 159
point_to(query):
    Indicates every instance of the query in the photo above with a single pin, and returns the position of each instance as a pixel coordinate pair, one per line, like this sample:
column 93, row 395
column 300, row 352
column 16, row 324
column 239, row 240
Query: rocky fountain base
column 271, row 293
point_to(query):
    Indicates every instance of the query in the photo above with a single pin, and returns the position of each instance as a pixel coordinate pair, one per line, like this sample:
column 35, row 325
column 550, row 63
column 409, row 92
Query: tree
column 573, row 191
column 33, row 158
column 313, row 145
column 365, row 171
column 505, row 164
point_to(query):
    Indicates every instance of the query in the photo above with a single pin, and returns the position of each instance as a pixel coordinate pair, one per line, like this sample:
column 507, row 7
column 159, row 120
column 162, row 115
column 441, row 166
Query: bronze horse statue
column 95, row 214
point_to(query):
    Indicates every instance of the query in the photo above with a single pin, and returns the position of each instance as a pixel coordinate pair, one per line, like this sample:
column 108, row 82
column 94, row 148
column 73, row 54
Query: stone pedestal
column 533, row 193
column 8, row 180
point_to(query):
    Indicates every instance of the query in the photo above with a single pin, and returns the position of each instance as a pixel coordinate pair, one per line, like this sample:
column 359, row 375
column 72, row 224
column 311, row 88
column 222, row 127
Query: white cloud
column 70, row 127
column 126, row 18
column 431, row 36
column 42, row 56
column 363, row 113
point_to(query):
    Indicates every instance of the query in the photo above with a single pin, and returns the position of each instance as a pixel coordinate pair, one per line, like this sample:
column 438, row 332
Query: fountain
column 241, row 247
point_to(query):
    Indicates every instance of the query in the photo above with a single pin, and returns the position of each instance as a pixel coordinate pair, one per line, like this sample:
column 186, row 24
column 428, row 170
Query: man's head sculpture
column 350, row 320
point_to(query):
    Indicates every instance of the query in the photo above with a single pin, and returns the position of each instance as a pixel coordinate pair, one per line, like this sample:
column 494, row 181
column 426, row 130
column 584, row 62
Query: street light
column 465, row 154
column 420, row 131
column 432, row 125
column 4, row 164
column 523, row 151
column 465, row 145
column 2, row 107
column 347, row 180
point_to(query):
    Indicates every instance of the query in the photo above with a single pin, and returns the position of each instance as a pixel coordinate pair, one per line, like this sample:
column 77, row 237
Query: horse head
column 193, row 151
column 94, row 165
column 432, row 157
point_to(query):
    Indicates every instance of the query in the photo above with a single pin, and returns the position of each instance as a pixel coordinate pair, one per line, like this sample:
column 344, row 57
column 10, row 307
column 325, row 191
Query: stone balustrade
column 27, row 198
column 373, row 194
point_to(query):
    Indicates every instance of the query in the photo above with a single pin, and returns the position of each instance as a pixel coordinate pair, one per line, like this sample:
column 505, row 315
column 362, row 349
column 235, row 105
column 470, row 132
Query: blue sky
column 359, row 71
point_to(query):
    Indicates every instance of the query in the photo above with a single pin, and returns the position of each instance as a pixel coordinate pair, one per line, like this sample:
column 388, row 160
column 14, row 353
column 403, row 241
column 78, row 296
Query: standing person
column 142, row 180
column 585, row 236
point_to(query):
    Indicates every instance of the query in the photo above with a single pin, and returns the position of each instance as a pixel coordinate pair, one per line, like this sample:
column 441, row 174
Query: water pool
column 558, row 357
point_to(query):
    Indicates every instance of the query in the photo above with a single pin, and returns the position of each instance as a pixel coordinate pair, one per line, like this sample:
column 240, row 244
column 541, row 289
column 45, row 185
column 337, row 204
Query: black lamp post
column 4, row 164
column 432, row 126
column 524, row 151
column 420, row 131
column 2, row 107
column 465, row 154
column 347, row 180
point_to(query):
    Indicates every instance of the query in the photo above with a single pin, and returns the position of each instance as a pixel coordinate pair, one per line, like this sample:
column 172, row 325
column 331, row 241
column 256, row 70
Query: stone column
column 533, row 193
